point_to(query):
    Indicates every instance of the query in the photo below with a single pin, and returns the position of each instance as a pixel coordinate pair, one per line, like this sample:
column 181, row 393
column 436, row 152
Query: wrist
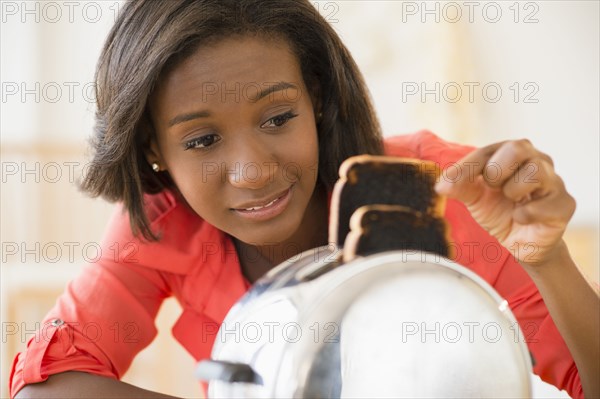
column 558, row 258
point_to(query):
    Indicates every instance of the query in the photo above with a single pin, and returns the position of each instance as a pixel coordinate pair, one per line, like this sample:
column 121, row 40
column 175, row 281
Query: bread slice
column 381, row 180
column 379, row 228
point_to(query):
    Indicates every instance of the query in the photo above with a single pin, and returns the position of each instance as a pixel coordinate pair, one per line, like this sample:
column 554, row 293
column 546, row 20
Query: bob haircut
column 152, row 36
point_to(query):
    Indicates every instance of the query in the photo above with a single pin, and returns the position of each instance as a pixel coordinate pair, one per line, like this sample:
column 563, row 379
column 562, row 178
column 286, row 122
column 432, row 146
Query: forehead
column 241, row 59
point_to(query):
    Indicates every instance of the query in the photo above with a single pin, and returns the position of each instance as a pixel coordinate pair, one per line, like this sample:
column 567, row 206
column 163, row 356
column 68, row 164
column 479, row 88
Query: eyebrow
column 188, row 117
column 279, row 86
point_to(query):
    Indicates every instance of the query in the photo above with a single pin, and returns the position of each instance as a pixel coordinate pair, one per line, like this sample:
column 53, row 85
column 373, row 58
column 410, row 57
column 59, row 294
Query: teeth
column 261, row 207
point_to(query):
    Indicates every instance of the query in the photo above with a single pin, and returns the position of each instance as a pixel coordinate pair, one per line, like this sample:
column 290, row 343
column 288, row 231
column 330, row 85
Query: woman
column 220, row 129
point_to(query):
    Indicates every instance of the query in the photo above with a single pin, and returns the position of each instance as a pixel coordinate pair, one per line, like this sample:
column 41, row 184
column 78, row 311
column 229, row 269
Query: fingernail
column 441, row 187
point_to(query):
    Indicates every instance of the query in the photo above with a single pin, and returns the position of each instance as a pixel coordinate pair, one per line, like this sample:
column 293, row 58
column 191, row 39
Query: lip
column 264, row 212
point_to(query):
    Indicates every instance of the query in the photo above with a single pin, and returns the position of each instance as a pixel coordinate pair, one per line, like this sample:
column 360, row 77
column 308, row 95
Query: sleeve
column 483, row 254
column 552, row 360
column 101, row 321
column 477, row 250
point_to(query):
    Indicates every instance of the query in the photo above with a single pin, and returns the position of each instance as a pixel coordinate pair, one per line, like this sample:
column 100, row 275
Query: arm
column 575, row 307
column 102, row 320
column 527, row 208
column 73, row 384
column 106, row 315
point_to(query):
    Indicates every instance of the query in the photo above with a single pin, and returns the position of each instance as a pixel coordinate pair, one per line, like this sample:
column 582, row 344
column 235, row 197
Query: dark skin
column 75, row 384
column 236, row 130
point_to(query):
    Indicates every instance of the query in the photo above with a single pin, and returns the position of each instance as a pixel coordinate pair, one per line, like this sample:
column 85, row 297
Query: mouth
column 267, row 208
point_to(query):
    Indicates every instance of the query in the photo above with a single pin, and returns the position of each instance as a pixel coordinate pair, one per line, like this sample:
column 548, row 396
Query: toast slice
column 382, row 180
column 380, row 228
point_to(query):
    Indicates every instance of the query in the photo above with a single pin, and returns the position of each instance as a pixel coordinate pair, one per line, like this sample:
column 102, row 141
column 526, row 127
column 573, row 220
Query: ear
column 315, row 97
column 150, row 147
column 153, row 155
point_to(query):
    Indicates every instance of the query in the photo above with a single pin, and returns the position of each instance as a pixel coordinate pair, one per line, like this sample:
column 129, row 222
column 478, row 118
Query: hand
column 512, row 191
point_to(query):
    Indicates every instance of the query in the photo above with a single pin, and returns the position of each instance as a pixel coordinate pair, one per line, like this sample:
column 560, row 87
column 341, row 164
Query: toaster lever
column 208, row 370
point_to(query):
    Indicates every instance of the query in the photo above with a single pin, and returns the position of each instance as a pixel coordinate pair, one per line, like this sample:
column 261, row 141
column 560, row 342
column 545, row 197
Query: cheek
column 300, row 162
column 308, row 152
column 205, row 197
column 196, row 182
column 311, row 166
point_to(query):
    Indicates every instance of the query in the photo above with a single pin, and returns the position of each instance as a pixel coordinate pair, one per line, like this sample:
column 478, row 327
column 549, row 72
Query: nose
column 252, row 165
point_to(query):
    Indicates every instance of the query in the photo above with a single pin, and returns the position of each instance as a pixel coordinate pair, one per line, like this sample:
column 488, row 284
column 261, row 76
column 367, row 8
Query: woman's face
column 236, row 131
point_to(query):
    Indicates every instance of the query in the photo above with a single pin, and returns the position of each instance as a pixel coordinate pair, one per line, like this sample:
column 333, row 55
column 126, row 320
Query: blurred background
column 472, row 72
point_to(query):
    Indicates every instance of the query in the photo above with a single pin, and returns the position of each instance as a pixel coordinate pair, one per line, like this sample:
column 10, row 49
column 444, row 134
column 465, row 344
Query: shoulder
column 426, row 145
column 182, row 235
column 159, row 208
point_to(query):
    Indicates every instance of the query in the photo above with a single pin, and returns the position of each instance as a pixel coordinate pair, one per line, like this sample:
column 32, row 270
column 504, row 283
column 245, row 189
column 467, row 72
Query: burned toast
column 380, row 228
column 381, row 180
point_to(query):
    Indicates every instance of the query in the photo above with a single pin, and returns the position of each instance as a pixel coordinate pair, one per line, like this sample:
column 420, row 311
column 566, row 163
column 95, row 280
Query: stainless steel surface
column 396, row 324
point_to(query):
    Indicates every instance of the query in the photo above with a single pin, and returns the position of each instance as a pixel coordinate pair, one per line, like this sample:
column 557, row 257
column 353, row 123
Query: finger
column 462, row 180
column 533, row 180
column 555, row 209
column 494, row 163
column 508, row 159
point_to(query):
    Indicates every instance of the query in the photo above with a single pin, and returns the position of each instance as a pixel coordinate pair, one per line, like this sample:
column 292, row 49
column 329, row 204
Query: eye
column 202, row 142
column 279, row 120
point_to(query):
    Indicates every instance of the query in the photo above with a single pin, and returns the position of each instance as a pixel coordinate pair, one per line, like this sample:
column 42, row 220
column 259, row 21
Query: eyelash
column 201, row 142
column 287, row 116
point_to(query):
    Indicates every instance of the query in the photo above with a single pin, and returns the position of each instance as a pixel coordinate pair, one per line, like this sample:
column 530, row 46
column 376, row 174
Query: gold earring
column 155, row 167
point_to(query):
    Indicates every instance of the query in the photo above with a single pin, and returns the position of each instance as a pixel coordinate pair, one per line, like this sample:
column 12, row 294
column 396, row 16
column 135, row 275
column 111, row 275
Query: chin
column 266, row 235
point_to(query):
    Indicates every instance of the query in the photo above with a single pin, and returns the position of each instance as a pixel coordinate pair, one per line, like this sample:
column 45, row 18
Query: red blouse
column 106, row 315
